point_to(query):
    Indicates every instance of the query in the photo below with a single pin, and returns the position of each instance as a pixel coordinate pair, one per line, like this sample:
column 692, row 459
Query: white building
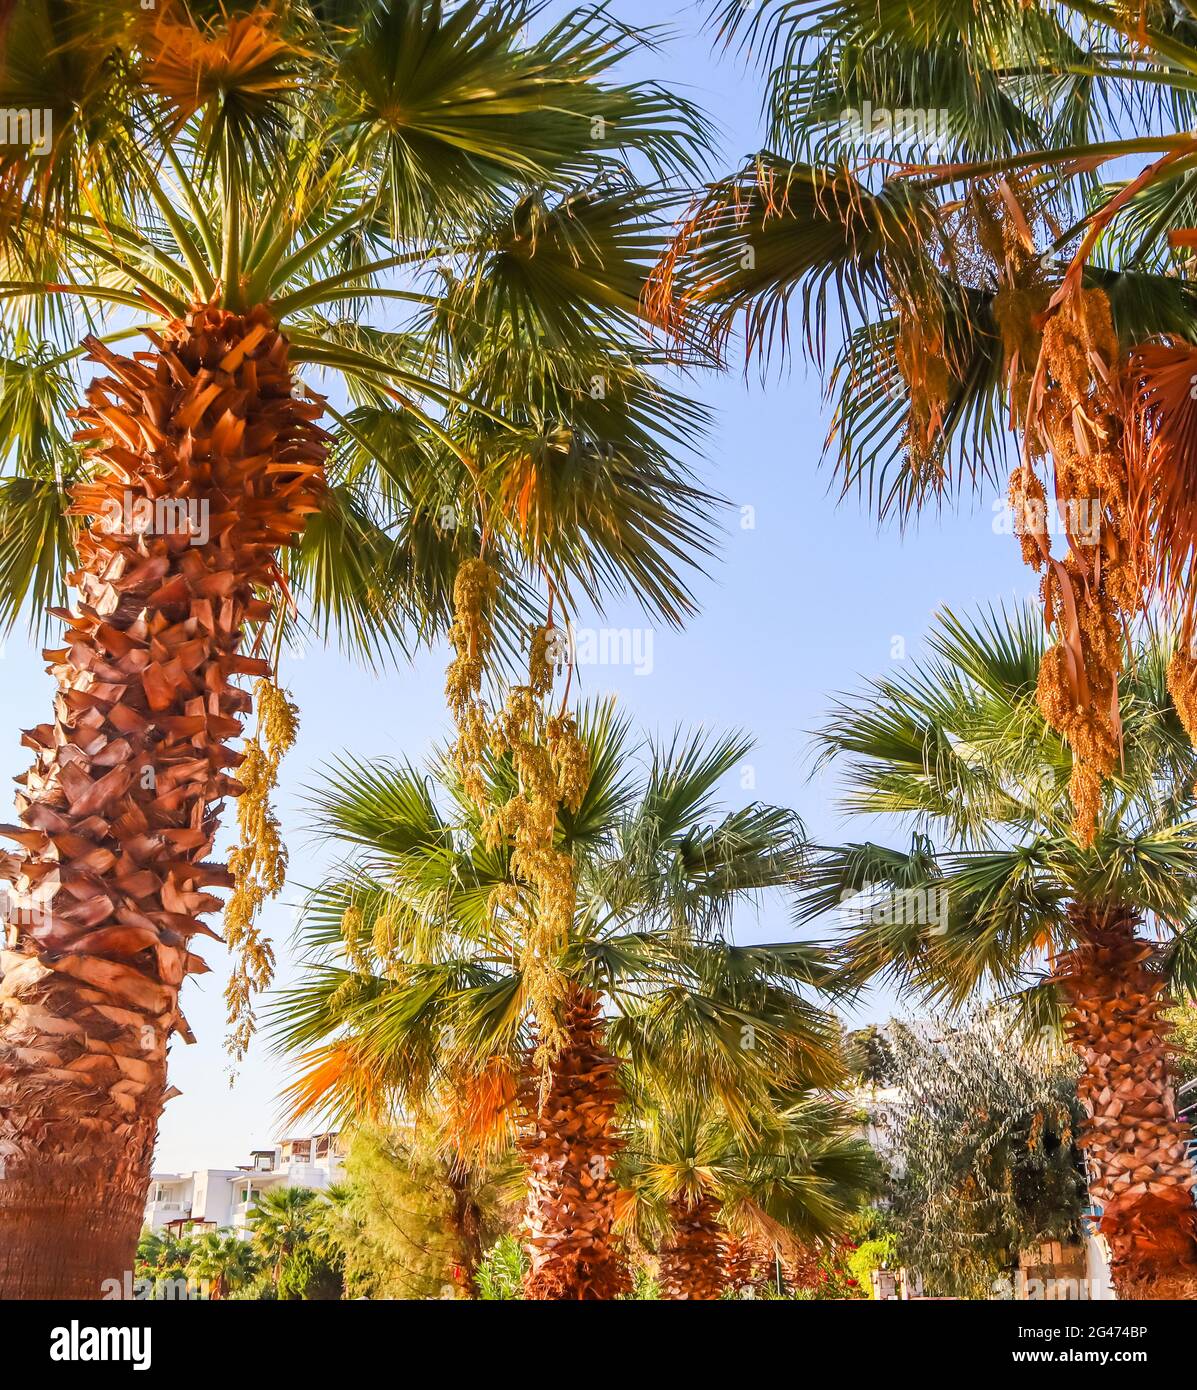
column 211, row 1198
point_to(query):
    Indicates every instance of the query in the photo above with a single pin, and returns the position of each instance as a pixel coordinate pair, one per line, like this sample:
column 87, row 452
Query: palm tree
column 997, row 894
column 417, row 993
column 705, row 1192
column 280, row 1221
column 222, row 1258
column 244, row 190
column 997, row 201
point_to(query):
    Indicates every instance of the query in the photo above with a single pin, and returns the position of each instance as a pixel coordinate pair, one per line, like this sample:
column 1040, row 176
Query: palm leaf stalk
column 418, row 992
column 242, row 189
column 998, row 201
column 997, row 896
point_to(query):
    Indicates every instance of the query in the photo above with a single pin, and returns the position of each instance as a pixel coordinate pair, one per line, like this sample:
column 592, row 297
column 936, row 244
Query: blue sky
column 807, row 597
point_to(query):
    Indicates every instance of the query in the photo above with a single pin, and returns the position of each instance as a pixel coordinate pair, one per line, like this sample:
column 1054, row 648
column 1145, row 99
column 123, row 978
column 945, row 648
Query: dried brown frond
column 1076, row 415
column 1162, row 459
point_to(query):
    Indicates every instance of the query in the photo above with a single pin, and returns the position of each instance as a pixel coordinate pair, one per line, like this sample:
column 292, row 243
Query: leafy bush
column 501, row 1273
column 984, row 1160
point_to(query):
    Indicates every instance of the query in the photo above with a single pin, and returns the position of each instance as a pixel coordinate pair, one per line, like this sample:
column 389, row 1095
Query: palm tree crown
column 958, row 751
column 997, row 201
column 997, row 878
column 414, row 978
column 701, row 1188
column 437, row 210
column 859, row 220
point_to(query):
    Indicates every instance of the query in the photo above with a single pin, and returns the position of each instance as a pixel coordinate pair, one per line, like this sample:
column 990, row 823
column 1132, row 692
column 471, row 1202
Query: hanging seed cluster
column 471, row 635
column 998, row 227
column 259, row 863
column 552, row 769
column 923, row 357
column 1182, row 686
column 1063, row 370
column 1136, row 1146
column 1064, row 376
column 119, row 810
column 1093, row 591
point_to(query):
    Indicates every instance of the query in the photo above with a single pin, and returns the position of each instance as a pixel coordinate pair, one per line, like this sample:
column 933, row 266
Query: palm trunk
column 120, row 807
column 467, row 1223
column 567, row 1145
column 691, row 1265
column 746, row 1263
column 1136, row 1146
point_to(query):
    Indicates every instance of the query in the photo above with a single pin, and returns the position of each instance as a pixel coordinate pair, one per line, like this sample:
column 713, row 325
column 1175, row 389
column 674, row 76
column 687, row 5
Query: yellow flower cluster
column 552, row 768
column 470, row 635
column 259, row 863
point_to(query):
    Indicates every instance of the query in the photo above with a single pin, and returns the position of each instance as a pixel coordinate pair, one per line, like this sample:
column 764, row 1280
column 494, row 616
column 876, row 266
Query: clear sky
column 804, row 601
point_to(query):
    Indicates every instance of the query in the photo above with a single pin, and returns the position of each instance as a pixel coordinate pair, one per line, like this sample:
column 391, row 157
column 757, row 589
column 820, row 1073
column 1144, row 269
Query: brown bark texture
column 567, row 1145
column 1136, row 1147
column 112, row 875
column 691, row 1262
column 747, row 1262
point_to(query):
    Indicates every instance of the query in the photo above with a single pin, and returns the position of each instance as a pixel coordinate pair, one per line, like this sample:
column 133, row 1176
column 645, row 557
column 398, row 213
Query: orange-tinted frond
column 189, row 66
column 332, row 1078
column 481, row 1107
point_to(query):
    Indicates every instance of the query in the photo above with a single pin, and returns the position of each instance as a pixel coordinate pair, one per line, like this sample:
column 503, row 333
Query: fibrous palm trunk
column 119, row 809
column 466, row 1220
column 691, row 1265
column 567, row 1145
column 1136, row 1145
column 747, row 1262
